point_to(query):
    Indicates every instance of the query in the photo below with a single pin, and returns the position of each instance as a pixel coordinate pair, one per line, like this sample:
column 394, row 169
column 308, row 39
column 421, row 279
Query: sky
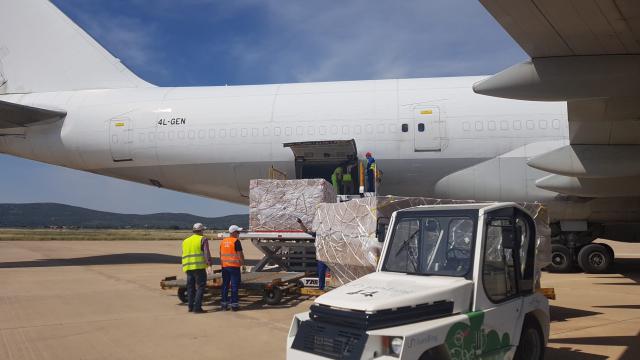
column 239, row 42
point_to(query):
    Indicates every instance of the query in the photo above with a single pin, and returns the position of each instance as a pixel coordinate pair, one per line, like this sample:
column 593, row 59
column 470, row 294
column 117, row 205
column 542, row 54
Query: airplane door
column 427, row 134
column 121, row 139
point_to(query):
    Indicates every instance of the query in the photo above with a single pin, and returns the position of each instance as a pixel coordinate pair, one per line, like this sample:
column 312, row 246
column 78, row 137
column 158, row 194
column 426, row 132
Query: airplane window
column 299, row 130
column 265, row 131
column 254, row 132
column 517, row 124
column 223, row 132
column 212, row 133
column 405, row 127
column 288, row 131
column 504, row 125
column 334, row 130
column 543, row 124
column 556, row 124
column 310, row 130
column 244, row 132
column 380, row 129
column 530, row 124
column 172, row 135
column 479, row 126
column 345, row 130
column 141, row 138
column 466, row 126
column 357, row 130
column 161, row 135
column 323, row 130
column 421, row 127
column 277, row 131
column 491, row 125
column 392, row 128
column 368, row 129
column 201, row 134
column 151, row 137
column 192, row 134
column 181, row 134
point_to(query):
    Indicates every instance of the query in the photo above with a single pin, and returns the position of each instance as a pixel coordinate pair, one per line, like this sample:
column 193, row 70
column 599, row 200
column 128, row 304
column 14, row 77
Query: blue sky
column 237, row 42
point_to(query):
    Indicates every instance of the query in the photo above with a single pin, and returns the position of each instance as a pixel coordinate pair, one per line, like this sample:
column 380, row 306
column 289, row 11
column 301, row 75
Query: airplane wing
column 585, row 52
column 14, row 115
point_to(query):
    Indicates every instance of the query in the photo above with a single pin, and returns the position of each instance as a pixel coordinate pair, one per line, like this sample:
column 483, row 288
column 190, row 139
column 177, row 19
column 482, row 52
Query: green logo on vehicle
column 472, row 341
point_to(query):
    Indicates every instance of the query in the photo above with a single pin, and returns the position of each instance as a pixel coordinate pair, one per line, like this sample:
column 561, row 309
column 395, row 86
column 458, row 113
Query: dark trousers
column 196, row 282
column 230, row 276
column 371, row 187
column 322, row 273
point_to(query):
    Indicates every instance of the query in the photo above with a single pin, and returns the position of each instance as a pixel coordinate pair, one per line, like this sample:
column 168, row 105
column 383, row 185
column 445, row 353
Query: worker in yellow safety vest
column 195, row 259
column 231, row 259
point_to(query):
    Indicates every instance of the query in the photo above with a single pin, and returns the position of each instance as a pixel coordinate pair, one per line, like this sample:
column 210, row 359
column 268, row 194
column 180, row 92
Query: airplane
column 560, row 129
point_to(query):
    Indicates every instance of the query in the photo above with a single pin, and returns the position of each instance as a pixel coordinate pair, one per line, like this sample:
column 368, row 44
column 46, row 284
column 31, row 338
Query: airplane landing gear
column 570, row 250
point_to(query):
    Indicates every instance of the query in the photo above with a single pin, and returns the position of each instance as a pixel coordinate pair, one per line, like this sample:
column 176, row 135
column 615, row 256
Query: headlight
column 396, row 345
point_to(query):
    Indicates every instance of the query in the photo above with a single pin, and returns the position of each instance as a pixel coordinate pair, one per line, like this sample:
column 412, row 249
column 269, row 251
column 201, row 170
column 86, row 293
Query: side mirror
column 508, row 237
column 381, row 228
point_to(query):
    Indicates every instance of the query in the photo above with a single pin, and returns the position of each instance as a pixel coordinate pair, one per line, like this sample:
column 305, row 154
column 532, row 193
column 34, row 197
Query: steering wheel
column 452, row 253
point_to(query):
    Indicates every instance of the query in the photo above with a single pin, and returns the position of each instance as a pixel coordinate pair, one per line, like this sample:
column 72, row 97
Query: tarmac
column 102, row 300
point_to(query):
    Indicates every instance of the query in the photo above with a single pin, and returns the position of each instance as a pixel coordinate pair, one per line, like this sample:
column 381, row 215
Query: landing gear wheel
column 273, row 296
column 182, row 295
column 613, row 254
column 594, row 259
column 531, row 345
column 560, row 259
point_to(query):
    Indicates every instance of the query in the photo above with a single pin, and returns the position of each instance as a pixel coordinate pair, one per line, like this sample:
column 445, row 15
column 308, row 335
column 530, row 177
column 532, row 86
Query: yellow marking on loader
column 426, row 112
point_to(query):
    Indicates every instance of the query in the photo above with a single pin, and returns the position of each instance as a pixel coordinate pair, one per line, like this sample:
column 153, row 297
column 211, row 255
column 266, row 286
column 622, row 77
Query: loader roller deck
column 272, row 286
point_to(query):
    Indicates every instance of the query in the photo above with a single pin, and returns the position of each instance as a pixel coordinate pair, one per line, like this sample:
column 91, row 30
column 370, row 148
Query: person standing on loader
column 231, row 259
column 336, row 180
column 371, row 171
column 195, row 259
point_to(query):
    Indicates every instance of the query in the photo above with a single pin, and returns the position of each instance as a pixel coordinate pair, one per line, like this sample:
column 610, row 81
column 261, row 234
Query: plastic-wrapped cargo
column 347, row 242
column 274, row 205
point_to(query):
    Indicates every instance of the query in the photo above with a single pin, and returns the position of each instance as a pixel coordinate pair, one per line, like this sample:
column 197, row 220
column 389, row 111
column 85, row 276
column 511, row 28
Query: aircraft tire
column 595, row 259
column 561, row 261
column 613, row 254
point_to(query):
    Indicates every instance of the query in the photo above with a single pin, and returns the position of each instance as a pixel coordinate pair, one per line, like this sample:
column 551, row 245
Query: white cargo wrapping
column 274, row 205
column 346, row 237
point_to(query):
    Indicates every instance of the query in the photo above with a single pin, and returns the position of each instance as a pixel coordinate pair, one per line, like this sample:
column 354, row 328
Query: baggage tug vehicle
column 454, row 282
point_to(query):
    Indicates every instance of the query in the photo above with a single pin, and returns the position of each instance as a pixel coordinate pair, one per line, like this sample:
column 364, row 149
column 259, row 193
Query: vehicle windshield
column 431, row 245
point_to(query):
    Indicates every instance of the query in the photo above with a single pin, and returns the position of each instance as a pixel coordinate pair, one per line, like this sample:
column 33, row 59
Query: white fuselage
column 211, row 140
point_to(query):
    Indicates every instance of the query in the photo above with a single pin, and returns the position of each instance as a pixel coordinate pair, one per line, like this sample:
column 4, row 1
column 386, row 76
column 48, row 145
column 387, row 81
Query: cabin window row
column 504, row 125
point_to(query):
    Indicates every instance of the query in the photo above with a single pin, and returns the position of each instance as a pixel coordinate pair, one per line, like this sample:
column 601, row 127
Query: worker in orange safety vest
column 232, row 260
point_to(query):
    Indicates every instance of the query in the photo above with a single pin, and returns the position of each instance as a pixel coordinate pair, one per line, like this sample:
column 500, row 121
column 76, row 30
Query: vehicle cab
column 453, row 282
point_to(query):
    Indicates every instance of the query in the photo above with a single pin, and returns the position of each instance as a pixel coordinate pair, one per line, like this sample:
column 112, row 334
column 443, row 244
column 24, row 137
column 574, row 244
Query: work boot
column 199, row 311
column 224, row 308
column 190, row 309
column 234, row 308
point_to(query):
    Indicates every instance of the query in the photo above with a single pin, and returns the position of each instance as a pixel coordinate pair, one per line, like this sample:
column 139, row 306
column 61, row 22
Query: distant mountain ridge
column 38, row 215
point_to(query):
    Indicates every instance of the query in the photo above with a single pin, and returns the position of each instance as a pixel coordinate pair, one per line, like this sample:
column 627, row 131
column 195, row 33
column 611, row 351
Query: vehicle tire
column 182, row 295
column 561, row 261
column 594, row 259
column 613, row 254
column 531, row 345
column 273, row 296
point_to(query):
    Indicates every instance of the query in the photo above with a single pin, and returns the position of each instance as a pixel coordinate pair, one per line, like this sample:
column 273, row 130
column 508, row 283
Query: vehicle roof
column 471, row 206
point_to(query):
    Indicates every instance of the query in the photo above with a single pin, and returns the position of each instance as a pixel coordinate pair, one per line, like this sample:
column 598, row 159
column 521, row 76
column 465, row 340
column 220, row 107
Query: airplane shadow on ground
column 110, row 259
column 628, row 268
column 559, row 313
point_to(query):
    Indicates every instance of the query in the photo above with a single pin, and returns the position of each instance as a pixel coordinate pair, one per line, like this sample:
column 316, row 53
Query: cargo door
column 121, row 139
column 318, row 159
column 428, row 129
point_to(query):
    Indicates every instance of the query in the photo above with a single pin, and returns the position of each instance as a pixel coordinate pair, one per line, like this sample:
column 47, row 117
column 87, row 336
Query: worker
column 231, row 259
column 195, row 259
column 371, row 170
column 347, row 181
column 336, row 180
column 321, row 266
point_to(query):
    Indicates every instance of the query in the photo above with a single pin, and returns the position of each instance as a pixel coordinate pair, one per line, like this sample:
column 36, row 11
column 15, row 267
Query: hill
column 40, row 215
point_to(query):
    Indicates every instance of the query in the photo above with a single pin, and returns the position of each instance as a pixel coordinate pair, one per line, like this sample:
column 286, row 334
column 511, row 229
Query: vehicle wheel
column 610, row 249
column 594, row 259
column 273, row 296
column 182, row 295
column 531, row 345
column 561, row 261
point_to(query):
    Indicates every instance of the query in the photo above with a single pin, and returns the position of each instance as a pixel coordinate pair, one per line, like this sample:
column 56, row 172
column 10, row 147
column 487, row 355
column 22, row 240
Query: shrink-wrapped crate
column 274, row 205
column 347, row 242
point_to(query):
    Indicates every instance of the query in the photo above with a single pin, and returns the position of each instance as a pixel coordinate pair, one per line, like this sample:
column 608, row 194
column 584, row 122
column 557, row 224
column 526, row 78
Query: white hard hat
column 234, row 228
column 199, row 227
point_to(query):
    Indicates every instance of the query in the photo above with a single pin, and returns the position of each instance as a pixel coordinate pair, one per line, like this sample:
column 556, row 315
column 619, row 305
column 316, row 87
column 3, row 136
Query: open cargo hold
column 274, row 205
column 348, row 233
